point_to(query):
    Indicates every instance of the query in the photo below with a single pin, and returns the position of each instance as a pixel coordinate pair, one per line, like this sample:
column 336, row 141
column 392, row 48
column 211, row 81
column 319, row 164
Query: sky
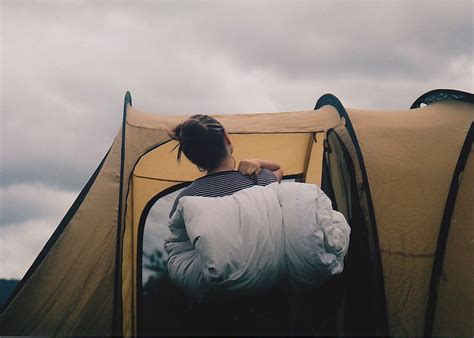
column 66, row 65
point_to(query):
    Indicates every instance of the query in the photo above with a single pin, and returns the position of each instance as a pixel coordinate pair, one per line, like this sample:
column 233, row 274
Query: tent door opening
column 351, row 306
column 358, row 295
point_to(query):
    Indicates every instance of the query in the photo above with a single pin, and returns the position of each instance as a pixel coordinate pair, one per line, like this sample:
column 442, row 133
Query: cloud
column 20, row 244
column 65, row 66
column 29, row 202
column 28, row 216
column 301, row 40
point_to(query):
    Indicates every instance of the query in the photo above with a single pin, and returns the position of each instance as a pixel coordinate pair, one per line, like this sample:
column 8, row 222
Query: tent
column 403, row 179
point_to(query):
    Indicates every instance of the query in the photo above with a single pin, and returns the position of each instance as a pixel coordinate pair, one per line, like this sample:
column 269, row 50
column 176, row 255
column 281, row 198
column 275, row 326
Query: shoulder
column 182, row 193
column 203, row 186
column 191, row 190
column 266, row 177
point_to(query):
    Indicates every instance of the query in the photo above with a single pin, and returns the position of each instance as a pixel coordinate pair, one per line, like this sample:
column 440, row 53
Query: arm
column 249, row 167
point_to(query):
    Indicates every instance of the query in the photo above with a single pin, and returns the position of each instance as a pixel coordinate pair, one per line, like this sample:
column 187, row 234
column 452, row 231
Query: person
column 204, row 141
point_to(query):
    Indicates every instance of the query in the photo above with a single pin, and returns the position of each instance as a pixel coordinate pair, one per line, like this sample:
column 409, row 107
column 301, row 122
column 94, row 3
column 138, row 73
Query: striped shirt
column 224, row 183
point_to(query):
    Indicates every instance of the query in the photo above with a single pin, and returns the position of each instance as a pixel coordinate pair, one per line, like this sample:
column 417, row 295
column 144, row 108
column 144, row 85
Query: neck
column 227, row 164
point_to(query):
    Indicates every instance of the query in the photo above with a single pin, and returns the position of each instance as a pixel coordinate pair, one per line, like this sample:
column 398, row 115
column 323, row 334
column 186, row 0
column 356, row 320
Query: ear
column 228, row 142
column 227, row 139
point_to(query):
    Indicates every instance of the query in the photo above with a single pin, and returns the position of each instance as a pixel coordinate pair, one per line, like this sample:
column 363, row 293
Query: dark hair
column 201, row 139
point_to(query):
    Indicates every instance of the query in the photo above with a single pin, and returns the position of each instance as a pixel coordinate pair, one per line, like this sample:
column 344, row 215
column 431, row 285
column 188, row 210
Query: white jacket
column 246, row 242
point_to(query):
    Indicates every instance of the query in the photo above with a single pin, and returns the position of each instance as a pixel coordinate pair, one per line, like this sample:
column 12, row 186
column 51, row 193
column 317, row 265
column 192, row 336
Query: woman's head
column 203, row 141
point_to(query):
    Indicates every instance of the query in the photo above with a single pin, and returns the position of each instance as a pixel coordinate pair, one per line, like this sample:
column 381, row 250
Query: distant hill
column 6, row 288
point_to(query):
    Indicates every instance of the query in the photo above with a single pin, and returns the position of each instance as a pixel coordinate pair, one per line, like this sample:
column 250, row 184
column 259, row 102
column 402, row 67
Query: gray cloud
column 307, row 39
column 21, row 243
column 29, row 213
column 65, row 66
column 29, row 202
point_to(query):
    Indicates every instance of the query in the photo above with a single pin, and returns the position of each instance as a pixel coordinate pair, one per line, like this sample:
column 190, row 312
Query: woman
column 205, row 143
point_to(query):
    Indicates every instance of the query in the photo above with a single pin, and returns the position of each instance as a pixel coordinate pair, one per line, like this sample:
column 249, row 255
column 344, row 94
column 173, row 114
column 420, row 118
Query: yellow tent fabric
column 410, row 167
column 454, row 311
column 86, row 279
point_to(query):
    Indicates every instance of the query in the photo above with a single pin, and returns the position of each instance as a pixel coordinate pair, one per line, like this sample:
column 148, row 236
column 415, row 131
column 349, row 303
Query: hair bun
column 192, row 130
column 176, row 133
column 201, row 139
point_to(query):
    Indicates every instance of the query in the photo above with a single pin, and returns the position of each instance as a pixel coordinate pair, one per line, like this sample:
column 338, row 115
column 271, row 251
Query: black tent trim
column 326, row 178
column 444, row 232
column 437, row 95
column 117, row 304
column 56, row 234
column 357, row 319
column 141, row 227
column 331, row 100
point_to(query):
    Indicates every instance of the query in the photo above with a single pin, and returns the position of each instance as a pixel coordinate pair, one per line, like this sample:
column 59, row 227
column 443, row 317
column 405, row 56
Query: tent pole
column 117, row 329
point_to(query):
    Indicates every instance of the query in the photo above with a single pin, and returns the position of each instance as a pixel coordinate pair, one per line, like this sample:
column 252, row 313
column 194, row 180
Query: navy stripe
column 224, row 183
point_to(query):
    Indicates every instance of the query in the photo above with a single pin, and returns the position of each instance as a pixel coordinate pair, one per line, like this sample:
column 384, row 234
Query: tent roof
column 285, row 122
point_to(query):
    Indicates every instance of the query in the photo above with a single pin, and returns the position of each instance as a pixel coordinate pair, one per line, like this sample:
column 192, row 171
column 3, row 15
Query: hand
column 249, row 167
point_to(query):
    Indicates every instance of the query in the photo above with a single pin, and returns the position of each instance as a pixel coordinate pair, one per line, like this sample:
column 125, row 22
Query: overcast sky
column 65, row 66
